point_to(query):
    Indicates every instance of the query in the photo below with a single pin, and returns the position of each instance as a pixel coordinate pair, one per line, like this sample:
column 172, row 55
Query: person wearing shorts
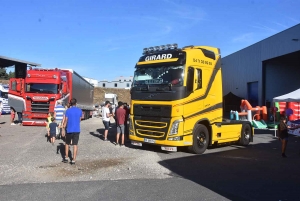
column 59, row 111
column 121, row 113
column 283, row 135
column 106, row 118
column 52, row 130
column 72, row 123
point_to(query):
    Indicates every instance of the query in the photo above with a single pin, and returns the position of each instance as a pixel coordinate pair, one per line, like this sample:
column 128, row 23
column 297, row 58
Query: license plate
column 169, row 148
column 136, row 143
column 149, row 140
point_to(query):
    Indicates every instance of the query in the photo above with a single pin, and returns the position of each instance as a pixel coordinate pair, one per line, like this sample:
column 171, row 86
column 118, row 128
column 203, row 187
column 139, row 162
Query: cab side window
column 14, row 86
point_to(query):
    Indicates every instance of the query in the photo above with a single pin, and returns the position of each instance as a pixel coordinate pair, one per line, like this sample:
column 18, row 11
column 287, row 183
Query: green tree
column 3, row 74
column 11, row 74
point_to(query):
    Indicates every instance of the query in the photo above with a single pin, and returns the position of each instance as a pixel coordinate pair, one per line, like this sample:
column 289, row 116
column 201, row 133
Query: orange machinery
column 245, row 106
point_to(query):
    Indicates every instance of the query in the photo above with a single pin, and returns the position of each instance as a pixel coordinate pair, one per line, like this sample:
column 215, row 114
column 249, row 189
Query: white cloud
column 263, row 27
column 247, row 37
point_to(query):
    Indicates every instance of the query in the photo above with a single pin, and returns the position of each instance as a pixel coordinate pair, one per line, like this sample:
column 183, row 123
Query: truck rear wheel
column 245, row 135
column 200, row 140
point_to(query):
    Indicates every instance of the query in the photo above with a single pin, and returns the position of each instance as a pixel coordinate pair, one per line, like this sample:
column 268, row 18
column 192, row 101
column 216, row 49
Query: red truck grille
column 42, row 107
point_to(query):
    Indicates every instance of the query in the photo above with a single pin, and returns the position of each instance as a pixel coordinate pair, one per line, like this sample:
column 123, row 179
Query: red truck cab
column 37, row 94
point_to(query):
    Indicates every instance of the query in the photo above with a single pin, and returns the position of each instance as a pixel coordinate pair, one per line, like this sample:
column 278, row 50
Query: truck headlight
column 130, row 127
column 175, row 126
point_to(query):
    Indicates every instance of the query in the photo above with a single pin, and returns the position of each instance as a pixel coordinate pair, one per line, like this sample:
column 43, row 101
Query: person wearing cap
column 106, row 118
column 59, row 111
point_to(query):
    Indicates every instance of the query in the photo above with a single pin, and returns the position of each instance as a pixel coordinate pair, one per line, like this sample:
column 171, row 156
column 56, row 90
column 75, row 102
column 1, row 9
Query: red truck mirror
column 64, row 89
column 18, row 86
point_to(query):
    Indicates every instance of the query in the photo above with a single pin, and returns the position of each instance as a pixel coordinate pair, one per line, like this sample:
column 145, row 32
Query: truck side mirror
column 190, row 80
column 64, row 89
column 18, row 86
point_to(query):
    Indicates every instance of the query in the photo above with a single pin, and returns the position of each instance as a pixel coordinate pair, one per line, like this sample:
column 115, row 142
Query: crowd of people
column 120, row 114
column 64, row 123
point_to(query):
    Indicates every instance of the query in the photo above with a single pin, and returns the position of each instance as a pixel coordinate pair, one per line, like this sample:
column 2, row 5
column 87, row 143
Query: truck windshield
column 162, row 75
column 42, row 88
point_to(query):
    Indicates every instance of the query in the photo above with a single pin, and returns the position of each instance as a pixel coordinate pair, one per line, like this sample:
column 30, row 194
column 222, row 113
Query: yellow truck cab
column 176, row 100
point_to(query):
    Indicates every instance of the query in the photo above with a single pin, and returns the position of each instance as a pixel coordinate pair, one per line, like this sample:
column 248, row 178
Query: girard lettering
column 158, row 57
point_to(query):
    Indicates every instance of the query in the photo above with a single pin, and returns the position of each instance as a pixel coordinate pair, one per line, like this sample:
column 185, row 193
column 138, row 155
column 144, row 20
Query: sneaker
column 122, row 145
column 65, row 160
column 13, row 124
column 105, row 139
column 283, row 155
column 72, row 162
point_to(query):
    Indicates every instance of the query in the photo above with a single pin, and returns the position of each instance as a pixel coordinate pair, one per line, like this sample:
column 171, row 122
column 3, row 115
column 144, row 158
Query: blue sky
column 103, row 39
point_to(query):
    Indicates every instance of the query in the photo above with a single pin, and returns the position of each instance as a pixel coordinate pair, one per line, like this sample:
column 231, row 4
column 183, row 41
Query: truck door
column 193, row 85
column 15, row 94
column 16, row 86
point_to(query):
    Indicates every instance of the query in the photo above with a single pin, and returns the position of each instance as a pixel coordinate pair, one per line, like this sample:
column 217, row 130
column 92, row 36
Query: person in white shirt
column 106, row 118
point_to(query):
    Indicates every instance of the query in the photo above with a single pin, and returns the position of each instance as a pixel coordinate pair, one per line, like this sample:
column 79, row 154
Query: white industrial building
column 266, row 69
column 119, row 83
column 92, row 81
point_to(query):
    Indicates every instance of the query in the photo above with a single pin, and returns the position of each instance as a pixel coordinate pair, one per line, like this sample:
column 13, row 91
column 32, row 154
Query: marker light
column 169, row 46
column 156, row 48
column 162, row 47
column 175, row 45
column 145, row 50
column 151, row 49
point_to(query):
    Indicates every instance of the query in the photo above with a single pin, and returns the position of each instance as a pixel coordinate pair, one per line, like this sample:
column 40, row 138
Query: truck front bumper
column 168, row 144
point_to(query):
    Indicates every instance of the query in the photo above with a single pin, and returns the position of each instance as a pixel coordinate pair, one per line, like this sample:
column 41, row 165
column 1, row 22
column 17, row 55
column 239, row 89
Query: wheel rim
column 201, row 140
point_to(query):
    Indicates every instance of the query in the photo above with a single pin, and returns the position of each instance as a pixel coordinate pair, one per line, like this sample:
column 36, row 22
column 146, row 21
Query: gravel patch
column 27, row 157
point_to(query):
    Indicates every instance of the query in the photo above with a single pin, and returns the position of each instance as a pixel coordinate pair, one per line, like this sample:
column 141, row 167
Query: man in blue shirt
column 72, row 122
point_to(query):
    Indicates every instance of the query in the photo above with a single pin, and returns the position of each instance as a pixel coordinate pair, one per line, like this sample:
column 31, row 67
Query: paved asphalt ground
column 256, row 172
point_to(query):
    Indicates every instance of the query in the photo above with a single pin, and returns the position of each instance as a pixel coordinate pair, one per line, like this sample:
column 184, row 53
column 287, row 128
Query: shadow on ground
column 257, row 172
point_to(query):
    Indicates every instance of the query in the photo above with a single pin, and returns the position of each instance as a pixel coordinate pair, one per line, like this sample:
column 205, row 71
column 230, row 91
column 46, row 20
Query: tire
column 200, row 140
column 245, row 135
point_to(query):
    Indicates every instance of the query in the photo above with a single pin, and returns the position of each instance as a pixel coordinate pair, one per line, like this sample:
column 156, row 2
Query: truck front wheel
column 245, row 135
column 200, row 140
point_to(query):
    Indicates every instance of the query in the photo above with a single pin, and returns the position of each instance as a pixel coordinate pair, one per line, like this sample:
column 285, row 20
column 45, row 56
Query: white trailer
column 113, row 98
column 4, row 98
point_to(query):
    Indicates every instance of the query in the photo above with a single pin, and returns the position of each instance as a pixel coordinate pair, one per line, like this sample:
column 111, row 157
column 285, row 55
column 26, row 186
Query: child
column 52, row 130
column 283, row 134
column 48, row 121
column 12, row 116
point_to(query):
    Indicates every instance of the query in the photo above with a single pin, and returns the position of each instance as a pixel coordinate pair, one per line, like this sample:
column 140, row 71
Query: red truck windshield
column 42, row 88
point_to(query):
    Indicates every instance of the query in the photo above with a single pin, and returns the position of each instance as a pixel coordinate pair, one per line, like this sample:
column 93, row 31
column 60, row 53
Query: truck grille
column 151, row 127
column 42, row 107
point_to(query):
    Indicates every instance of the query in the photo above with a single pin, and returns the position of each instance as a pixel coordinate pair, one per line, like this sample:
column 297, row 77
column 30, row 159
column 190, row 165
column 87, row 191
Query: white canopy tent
column 293, row 96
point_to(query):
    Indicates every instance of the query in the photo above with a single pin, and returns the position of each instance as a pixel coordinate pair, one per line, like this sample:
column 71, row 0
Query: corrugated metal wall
column 246, row 65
